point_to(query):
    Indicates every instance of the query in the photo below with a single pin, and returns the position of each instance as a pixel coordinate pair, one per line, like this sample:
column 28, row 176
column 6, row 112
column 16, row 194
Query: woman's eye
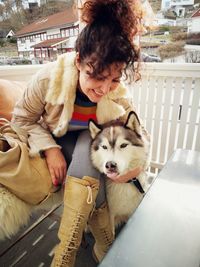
column 104, row 147
column 123, row 145
column 100, row 79
column 116, row 81
column 88, row 73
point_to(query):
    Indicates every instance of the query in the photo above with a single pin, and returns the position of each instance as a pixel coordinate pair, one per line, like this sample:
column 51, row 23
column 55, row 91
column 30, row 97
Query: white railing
column 167, row 99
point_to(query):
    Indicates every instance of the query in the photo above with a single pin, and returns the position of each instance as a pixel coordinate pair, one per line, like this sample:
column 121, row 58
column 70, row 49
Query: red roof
column 51, row 42
column 196, row 13
column 60, row 19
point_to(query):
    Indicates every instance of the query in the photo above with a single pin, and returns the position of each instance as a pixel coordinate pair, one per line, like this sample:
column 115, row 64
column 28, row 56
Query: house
column 6, row 34
column 161, row 19
column 10, row 34
column 30, row 3
column 179, row 7
column 49, row 36
column 194, row 22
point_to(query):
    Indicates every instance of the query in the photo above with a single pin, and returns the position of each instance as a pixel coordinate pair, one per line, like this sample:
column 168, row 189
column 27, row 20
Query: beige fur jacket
column 48, row 102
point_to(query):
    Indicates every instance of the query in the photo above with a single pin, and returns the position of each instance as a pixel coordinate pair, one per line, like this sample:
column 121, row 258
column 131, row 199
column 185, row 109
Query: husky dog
column 117, row 148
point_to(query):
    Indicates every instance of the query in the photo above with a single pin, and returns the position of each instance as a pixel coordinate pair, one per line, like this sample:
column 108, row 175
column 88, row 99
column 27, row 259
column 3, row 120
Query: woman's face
column 95, row 88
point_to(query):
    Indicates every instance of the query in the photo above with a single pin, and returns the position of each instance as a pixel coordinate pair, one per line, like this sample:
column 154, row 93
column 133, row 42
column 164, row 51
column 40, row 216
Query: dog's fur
column 117, row 148
column 15, row 213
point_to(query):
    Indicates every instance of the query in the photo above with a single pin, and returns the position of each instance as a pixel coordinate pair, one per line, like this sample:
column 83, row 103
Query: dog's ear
column 133, row 123
column 93, row 128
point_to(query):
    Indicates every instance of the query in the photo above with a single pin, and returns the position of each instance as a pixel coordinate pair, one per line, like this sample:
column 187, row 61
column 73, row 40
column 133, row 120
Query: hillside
column 15, row 19
column 9, row 50
column 156, row 5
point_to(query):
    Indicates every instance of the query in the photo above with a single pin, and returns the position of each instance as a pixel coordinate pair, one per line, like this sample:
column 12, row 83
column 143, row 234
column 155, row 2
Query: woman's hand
column 56, row 164
column 127, row 176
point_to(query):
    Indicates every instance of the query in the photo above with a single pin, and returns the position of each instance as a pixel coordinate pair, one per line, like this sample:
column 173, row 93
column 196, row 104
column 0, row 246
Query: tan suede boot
column 79, row 199
column 99, row 225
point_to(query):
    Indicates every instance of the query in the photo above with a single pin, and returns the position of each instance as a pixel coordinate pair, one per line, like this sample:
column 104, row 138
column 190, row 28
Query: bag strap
column 11, row 129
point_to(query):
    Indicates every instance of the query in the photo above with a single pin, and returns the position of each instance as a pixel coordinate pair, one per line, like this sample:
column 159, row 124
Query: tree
column 12, row 12
column 2, row 12
column 14, row 16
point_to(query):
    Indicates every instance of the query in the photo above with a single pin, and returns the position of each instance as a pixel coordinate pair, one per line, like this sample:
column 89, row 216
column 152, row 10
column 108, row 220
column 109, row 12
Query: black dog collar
column 137, row 184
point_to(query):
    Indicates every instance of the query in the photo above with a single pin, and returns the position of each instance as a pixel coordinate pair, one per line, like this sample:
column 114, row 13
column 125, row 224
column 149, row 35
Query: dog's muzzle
column 111, row 166
column 111, row 169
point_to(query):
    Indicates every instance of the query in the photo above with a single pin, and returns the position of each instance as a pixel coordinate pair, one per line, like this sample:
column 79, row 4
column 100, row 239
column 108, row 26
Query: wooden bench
column 165, row 229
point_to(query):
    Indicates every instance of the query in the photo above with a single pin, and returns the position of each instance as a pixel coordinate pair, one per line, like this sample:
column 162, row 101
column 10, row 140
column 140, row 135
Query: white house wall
column 195, row 27
column 166, row 22
column 181, row 2
column 26, row 46
column 70, row 43
column 53, row 31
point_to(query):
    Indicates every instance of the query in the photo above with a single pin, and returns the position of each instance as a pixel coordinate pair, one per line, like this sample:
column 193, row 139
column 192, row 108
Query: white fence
column 167, row 99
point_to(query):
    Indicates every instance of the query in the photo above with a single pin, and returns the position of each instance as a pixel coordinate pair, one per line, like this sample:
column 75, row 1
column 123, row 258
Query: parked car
column 19, row 61
column 150, row 58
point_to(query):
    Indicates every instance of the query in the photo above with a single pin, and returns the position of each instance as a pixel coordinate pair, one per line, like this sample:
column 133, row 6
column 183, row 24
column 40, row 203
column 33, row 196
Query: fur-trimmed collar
column 63, row 80
column 62, row 91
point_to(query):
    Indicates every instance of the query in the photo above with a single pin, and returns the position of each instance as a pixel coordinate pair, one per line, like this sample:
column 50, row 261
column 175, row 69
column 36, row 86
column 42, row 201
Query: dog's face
column 117, row 147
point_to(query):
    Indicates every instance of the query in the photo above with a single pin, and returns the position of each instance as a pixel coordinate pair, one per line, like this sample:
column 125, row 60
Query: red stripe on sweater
column 83, row 117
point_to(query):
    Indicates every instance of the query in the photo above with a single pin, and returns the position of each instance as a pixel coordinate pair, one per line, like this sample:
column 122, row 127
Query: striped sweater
column 84, row 110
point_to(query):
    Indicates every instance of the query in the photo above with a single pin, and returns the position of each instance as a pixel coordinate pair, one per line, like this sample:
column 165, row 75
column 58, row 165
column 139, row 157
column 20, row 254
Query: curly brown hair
column 108, row 35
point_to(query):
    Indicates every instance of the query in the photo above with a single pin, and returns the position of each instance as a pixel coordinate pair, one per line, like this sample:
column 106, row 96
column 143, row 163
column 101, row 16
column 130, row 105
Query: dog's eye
column 123, row 145
column 104, row 147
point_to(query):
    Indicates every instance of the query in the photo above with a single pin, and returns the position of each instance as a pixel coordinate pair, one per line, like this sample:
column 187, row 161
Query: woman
column 55, row 110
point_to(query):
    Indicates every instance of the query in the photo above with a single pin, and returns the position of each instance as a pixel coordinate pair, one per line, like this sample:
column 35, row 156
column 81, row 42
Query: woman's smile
column 96, row 88
column 98, row 93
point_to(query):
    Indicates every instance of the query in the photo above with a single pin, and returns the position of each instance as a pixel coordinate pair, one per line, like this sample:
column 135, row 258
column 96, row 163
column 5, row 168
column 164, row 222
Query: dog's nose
column 111, row 165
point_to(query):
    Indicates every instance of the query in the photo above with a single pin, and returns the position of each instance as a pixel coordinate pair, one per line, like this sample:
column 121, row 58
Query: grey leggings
column 76, row 149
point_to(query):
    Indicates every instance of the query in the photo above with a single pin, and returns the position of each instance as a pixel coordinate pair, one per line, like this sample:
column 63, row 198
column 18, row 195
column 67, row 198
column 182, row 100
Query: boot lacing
column 73, row 243
column 107, row 237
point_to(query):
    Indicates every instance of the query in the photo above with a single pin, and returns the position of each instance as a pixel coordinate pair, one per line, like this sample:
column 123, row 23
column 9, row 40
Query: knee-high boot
column 79, row 199
column 99, row 225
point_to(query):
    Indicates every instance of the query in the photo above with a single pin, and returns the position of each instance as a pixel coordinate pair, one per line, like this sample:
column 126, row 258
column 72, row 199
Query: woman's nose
column 105, row 88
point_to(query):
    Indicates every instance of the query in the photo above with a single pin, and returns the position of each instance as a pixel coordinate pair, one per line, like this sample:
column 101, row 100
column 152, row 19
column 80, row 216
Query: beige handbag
column 26, row 177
